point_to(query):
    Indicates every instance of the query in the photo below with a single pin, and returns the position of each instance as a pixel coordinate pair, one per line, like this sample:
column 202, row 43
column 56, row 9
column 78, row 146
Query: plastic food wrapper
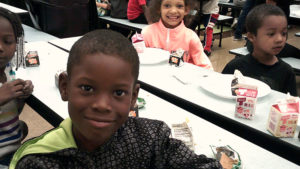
column 228, row 157
column 183, row 132
column 283, row 117
column 138, row 42
column 238, row 78
column 140, row 103
column 32, row 59
column 246, row 97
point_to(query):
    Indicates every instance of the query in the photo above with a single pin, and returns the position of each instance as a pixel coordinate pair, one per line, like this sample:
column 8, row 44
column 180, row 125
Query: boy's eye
column 9, row 41
column 87, row 88
column 167, row 5
column 119, row 92
column 180, row 6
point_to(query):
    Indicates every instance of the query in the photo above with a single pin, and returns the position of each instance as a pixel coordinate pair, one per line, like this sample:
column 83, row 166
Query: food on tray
column 238, row 78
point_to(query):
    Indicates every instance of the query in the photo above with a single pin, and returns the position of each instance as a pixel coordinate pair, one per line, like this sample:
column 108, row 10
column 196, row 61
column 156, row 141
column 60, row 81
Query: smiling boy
column 267, row 30
column 101, row 88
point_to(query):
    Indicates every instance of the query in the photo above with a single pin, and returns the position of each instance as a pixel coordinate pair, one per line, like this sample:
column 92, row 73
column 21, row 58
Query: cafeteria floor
column 219, row 58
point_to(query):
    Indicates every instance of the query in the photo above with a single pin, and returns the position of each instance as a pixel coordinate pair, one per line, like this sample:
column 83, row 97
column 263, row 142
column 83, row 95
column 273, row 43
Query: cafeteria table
column 46, row 100
column 13, row 9
column 32, row 35
column 122, row 23
column 182, row 87
column 65, row 43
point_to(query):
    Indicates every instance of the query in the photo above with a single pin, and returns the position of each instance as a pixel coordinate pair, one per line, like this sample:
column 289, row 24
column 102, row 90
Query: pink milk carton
column 246, row 96
column 138, row 42
column 283, row 118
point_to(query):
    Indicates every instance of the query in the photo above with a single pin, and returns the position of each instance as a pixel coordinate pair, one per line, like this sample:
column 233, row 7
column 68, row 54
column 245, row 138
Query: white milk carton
column 283, row 117
column 246, row 96
column 138, row 42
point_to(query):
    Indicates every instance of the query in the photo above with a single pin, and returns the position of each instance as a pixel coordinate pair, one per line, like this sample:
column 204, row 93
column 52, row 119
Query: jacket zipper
column 168, row 38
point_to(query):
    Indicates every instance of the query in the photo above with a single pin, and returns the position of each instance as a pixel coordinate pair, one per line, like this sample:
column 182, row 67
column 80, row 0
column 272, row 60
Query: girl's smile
column 172, row 12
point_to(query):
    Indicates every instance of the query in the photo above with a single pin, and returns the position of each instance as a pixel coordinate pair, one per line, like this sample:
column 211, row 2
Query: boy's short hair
column 106, row 42
column 256, row 16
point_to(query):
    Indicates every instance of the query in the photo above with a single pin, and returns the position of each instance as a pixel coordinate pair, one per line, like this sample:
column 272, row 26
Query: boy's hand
column 11, row 90
column 27, row 89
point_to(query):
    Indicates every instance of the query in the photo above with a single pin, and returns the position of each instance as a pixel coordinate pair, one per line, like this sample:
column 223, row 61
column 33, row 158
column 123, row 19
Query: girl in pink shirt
column 168, row 31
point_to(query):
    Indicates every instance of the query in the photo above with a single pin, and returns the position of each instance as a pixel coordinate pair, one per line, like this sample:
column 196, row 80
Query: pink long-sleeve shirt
column 157, row 35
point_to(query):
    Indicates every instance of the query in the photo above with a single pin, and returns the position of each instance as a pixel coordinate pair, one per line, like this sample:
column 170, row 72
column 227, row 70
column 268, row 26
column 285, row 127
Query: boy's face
column 100, row 94
column 7, row 42
column 271, row 36
column 172, row 12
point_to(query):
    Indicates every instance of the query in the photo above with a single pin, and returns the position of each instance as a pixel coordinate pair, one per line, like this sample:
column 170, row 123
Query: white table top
column 192, row 91
column 13, row 9
column 65, row 43
column 205, row 133
column 124, row 22
column 52, row 59
column 33, row 35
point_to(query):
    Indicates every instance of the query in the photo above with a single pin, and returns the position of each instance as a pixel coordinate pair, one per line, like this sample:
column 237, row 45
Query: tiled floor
column 219, row 58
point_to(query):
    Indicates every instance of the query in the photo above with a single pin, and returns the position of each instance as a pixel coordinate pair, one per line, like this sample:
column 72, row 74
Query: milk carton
column 246, row 96
column 138, row 42
column 283, row 117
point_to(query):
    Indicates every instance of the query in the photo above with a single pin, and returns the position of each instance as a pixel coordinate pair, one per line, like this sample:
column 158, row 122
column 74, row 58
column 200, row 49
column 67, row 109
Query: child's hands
column 11, row 90
column 27, row 89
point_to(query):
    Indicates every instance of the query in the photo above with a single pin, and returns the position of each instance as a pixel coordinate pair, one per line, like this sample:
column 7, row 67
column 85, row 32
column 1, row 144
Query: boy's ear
column 62, row 85
column 135, row 94
column 250, row 36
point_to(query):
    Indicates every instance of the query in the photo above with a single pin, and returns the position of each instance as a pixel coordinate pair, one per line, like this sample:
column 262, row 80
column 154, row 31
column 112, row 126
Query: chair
column 63, row 18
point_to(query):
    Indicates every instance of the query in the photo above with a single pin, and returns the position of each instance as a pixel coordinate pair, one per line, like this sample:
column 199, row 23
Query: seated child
column 12, row 91
column 168, row 31
column 117, row 9
column 101, row 88
column 267, row 30
column 136, row 11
